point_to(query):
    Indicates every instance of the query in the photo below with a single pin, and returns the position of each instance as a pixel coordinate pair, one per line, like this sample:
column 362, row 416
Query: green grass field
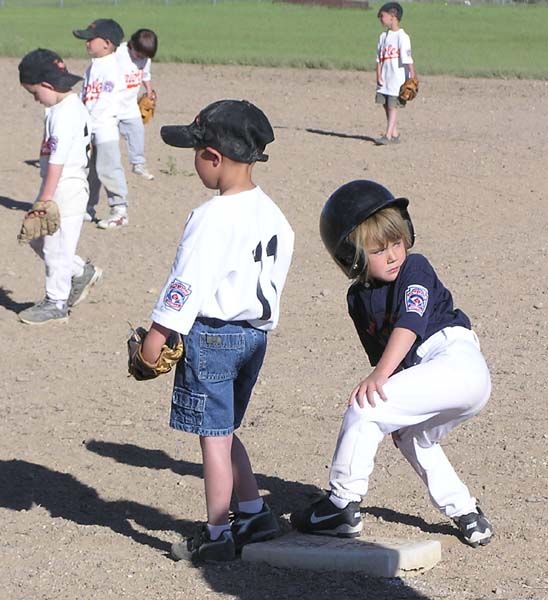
column 469, row 41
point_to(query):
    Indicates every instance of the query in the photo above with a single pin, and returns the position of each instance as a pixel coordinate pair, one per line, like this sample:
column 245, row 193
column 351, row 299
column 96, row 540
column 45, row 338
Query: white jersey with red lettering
column 100, row 89
column 231, row 264
column 134, row 71
column 67, row 142
column 393, row 54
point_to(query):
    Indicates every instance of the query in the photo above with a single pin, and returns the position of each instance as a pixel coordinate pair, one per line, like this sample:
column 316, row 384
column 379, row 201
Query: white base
column 375, row 557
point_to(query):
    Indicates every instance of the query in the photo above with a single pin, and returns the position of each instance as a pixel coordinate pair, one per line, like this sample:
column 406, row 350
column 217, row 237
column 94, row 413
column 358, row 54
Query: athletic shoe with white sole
column 248, row 528
column 43, row 312
column 201, row 548
column 117, row 218
column 143, row 172
column 82, row 285
column 322, row 517
column 475, row 528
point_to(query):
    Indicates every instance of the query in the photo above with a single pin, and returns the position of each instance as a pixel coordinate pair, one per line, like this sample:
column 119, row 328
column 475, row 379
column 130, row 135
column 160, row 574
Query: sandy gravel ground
column 94, row 485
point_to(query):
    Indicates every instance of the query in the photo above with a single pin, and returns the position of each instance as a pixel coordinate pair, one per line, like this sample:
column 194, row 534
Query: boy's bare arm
column 154, row 341
column 378, row 73
column 148, row 88
column 400, row 342
column 51, row 181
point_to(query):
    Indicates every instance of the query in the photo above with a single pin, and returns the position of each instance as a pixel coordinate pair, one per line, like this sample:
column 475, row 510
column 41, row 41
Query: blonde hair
column 385, row 226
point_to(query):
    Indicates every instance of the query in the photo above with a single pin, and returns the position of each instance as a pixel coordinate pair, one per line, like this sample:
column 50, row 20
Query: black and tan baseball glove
column 409, row 89
column 147, row 106
column 142, row 370
column 42, row 219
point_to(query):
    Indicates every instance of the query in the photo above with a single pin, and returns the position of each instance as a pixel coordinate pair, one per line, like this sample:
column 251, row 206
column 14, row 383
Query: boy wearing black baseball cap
column 64, row 171
column 223, row 296
column 102, row 83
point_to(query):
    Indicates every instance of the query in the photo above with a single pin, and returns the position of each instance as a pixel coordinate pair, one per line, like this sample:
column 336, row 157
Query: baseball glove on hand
column 42, row 219
column 142, row 370
column 409, row 89
column 147, row 106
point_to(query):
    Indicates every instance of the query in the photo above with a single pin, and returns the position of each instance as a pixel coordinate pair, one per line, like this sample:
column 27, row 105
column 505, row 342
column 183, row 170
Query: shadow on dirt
column 364, row 138
column 10, row 304
column 24, row 485
column 15, row 204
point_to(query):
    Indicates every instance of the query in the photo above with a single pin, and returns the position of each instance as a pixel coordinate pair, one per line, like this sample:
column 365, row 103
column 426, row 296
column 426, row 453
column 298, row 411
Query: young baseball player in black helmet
column 429, row 374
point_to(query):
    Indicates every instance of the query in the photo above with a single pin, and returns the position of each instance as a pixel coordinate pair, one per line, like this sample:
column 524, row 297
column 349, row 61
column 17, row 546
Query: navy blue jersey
column 416, row 300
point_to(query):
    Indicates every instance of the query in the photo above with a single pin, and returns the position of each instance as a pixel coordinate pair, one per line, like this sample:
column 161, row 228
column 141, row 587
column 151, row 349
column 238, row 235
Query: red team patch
column 177, row 294
column 416, row 299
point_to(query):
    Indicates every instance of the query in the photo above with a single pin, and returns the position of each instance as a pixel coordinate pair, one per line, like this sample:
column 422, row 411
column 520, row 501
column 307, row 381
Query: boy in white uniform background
column 223, row 296
column 64, row 158
column 394, row 66
column 102, row 83
column 134, row 59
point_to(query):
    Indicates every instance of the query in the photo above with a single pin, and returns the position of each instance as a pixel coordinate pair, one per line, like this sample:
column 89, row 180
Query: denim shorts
column 214, row 381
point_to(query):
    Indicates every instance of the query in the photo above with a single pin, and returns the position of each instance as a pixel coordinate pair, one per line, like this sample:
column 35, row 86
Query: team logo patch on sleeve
column 177, row 294
column 416, row 299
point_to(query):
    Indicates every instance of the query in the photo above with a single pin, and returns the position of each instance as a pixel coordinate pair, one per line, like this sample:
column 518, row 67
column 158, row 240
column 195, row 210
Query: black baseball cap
column 43, row 65
column 101, row 28
column 236, row 128
column 394, row 6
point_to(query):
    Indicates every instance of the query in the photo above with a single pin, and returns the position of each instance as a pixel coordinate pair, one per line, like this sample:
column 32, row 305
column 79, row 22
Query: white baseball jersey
column 393, row 53
column 67, row 142
column 102, row 83
column 134, row 71
column 231, row 264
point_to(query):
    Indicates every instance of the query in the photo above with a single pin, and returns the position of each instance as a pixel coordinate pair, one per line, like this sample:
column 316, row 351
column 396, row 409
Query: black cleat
column 322, row 517
column 248, row 528
column 475, row 528
column 201, row 548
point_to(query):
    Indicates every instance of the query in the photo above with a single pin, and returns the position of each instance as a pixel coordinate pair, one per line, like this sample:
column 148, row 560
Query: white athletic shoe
column 117, row 218
column 141, row 169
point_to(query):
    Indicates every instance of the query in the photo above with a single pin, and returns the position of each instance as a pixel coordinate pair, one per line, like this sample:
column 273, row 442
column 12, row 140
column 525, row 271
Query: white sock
column 338, row 502
column 251, row 506
column 215, row 531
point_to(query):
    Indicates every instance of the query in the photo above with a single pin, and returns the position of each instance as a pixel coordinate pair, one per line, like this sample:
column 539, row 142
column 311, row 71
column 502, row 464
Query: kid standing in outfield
column 100, row 90
column 429, row 374
column 394, row 66
column 64, row 157
column 223, row 295
column 134, row 58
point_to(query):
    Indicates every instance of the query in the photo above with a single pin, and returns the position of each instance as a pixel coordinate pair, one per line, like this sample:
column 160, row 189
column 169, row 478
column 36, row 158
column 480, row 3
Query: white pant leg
column 133, row 131
column 59, row 254
column 450, row 385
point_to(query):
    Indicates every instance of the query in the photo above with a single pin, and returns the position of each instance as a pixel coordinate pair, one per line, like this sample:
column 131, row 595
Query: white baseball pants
column 133, row 131
column 425, row 402
column 58, row 252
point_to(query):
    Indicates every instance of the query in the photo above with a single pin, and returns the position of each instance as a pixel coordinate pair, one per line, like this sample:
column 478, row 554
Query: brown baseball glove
column 409, row 89
column 147, row 106
column 142, row 370
column 42, row 219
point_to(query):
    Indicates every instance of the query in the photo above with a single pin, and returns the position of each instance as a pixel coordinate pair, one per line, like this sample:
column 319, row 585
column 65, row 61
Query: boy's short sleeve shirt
column 100, row 89
column 393, row 54
column 67, row 135
column 231, row 264
column 417, row 300
column 133, row 72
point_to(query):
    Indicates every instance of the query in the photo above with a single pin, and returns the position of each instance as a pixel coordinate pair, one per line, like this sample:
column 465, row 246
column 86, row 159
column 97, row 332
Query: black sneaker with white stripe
column 322, row 517
column 248, row 528
column 475, row 528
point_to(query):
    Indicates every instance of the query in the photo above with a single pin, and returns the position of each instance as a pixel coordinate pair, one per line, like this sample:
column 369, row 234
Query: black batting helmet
column 345, row 209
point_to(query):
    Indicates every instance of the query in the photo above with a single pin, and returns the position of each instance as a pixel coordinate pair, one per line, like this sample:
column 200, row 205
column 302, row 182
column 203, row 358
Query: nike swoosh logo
column 314, row 519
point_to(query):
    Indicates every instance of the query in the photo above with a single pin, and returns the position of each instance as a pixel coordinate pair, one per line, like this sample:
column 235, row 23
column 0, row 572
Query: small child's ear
column 215, row 156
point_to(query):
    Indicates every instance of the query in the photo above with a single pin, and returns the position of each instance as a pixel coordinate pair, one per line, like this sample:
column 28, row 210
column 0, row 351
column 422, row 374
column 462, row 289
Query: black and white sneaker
column 475, row 528
column 248, row 528
column 201, row 548
column 322, row 517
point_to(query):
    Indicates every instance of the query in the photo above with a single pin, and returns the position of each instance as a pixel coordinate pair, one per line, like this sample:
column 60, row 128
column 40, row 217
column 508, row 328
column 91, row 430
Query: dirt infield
column 94, row 485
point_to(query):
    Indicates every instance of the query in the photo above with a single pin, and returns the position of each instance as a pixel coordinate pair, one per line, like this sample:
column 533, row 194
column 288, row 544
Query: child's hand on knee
column 367, row 388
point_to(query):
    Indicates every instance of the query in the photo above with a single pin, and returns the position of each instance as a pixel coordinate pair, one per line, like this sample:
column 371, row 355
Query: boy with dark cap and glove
column 223, row 296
